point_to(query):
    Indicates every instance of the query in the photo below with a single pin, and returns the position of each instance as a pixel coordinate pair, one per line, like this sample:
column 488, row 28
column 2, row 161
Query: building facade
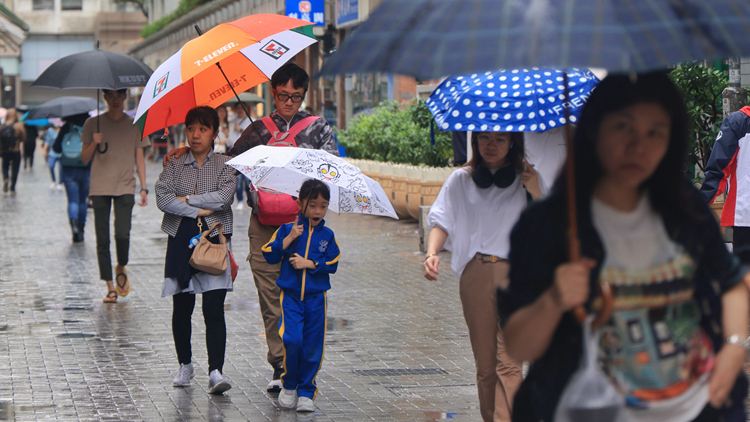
column 58, row 28
column 13, row 32
column 338, row 99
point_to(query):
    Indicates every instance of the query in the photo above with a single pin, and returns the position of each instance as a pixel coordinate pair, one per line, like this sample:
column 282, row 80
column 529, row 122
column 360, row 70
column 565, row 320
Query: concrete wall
column 160, row 46
column 745, row 71
column 60, row 21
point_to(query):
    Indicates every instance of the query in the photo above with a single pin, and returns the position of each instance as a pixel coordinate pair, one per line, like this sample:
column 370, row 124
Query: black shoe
column 80, row 231
column 74, row 227
column 275, row 385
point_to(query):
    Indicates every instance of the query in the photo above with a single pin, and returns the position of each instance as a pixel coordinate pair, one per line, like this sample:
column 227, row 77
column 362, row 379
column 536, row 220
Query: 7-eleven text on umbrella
column 225, row 88
column 216, row 53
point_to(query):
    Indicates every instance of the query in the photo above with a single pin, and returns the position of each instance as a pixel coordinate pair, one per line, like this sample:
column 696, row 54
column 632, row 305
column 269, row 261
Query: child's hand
column 296, row 230
column 300, row 263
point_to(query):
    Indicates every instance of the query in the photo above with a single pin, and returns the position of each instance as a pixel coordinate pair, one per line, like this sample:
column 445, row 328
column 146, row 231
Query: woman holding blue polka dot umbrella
column 472, row 217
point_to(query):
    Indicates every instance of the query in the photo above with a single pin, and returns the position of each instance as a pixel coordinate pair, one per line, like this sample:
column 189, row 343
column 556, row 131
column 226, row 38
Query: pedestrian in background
column 308, row 254
column 194, row 189
column 675, row 342
column 76, row 174
column 12, row 134
column 222, row 139
column 52, row 158
column 472, row 217
column 727, row 171
column 29, row 146
column 240, row 123
column 114, row 146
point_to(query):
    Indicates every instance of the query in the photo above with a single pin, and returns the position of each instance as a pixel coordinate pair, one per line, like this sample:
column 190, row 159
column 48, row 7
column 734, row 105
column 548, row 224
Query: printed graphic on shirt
column 323, row 246
column 653, row 347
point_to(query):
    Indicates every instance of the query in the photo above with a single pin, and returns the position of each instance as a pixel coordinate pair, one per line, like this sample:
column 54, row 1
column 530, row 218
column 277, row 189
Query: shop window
column 369, row 90
column 8, row 95
column 43, row 4
column 72, row 4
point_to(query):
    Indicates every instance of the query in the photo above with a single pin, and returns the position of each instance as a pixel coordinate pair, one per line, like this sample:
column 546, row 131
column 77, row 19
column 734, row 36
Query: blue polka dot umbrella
column 518, row 100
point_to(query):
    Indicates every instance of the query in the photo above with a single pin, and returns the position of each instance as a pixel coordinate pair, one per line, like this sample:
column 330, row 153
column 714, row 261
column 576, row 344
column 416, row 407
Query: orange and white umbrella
column 243, row 53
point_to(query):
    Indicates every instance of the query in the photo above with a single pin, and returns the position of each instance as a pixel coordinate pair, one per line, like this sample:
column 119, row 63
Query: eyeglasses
column 295, row 98
column 485, row 139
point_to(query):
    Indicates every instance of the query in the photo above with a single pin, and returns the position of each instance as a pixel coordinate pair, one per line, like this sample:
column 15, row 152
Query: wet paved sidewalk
column 397, row 346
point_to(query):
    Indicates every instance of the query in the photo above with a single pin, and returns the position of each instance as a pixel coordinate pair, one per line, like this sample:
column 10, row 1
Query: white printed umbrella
column 284, row 169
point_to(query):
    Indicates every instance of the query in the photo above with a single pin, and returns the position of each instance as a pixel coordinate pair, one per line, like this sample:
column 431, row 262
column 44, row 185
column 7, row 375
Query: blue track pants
column 302, row 329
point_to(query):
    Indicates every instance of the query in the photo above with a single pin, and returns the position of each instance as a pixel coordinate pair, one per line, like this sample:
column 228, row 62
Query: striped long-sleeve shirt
column 211, row 186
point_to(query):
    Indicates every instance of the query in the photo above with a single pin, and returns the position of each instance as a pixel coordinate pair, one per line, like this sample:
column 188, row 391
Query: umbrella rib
column 400, row 40
column 726, row 37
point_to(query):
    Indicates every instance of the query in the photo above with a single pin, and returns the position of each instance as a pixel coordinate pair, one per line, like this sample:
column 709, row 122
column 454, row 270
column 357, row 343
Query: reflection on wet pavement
column 396, row 345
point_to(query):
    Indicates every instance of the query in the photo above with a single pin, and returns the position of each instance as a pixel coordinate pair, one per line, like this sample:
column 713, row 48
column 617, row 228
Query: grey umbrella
column 62, row 107
column 434, row 38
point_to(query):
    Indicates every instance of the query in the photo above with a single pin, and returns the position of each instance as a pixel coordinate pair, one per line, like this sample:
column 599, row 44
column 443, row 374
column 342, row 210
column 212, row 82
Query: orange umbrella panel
column 193, row 76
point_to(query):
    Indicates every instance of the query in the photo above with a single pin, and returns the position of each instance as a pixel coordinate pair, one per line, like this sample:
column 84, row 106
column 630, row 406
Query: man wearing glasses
column 288, row 87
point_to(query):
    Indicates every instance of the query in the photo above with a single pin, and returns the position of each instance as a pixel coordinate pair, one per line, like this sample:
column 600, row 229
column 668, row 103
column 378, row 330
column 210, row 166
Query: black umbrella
column 95, row 69
column 434, row 38
column 62, row 107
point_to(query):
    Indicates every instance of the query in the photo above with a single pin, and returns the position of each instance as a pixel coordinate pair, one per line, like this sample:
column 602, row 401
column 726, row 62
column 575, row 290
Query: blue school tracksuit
column 303, row 301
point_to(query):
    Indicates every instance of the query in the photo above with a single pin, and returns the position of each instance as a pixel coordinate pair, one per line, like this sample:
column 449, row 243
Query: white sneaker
column 217, row 384
column 53, row 185
column 184, row 375
column 287, row 398
column 239, row 206
column 60, row 186
column 305, row 404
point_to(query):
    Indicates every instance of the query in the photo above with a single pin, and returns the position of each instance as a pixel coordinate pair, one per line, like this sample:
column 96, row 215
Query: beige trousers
column 498, row 377
column 265, row 276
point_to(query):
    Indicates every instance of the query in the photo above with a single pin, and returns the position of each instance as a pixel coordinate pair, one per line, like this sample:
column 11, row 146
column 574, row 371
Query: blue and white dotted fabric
column 518, row 100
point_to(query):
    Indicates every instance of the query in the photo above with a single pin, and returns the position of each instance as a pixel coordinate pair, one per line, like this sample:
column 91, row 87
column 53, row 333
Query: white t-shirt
column 234, row 134
column 654, row 338
column 546, row 151
column 476, row 220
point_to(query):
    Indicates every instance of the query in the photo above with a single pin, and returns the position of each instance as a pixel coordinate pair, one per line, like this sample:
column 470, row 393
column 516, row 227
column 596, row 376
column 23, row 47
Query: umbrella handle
column 106, row 147
column 608, row 301
column 574, row 245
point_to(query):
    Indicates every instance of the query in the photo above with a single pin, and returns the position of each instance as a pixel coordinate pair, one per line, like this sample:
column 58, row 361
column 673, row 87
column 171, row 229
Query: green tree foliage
column 702, row 87
column 183, row 8
column 397, row 134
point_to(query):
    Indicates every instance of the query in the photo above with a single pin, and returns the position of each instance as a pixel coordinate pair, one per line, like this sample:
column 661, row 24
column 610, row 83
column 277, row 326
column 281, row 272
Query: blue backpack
column 71, row 148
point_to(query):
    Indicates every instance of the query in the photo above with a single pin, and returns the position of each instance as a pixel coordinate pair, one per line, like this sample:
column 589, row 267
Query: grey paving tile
column 65, row 356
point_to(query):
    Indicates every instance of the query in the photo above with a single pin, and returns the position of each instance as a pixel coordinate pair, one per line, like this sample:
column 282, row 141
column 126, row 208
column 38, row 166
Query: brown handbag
column 208, row 257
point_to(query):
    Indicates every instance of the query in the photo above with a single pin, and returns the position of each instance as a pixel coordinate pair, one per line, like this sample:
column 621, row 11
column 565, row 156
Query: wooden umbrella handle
column 605, row 312
column 574, row 245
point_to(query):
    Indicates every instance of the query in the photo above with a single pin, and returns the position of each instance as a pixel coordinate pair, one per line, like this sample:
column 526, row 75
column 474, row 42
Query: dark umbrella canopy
column 434, row 38
column 94, row 69
column 62, row 107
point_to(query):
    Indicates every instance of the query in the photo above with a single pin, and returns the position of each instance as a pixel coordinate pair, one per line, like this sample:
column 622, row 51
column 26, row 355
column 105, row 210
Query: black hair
column 314, row 188
column 514, row 157
column 204, row 115
column 122, row 91
column 290, row 72
column 667, row 188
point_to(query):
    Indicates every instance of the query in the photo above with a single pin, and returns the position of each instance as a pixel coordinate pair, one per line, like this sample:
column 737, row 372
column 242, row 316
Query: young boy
column 308, row 253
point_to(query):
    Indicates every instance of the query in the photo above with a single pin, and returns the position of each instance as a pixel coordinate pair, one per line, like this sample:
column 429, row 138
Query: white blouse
column 476, row 220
